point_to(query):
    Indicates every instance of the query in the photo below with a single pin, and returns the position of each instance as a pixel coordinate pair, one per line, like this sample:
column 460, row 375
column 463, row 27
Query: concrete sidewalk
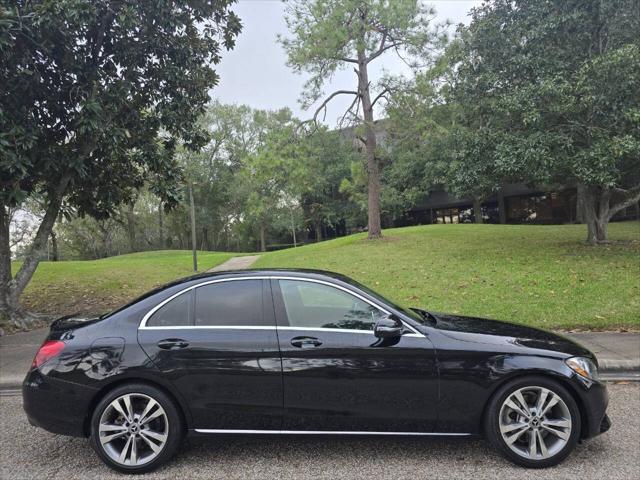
column 236, row 263
column 616, row 352
column 16, row 354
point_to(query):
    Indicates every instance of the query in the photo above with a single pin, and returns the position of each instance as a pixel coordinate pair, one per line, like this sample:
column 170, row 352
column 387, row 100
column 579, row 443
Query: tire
column 516, row 443
column 150, row 440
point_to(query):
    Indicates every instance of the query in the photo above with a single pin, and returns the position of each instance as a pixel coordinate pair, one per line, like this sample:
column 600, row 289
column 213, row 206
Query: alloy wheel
column 535, row 422
column 133, row 429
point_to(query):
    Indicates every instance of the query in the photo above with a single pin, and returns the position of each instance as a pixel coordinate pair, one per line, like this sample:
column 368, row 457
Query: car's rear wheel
column 136, row 428
column 533, row 421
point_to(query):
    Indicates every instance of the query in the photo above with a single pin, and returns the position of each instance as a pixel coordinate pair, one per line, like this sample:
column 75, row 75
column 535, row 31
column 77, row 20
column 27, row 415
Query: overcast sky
column 255, row 71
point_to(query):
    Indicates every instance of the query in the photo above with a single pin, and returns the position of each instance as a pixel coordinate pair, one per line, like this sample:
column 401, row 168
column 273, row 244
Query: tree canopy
column 95, row 97
column 331, row 35
column 537, row 92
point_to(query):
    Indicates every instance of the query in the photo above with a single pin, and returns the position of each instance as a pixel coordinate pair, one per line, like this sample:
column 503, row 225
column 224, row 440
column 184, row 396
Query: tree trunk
column 131, row 227
column 596, row 211
column 204, row 242
column 599, row 209
column 317, row 226
column 581, row 215
column 54, row 246
column 477, row 210
column 293, row 230
column 263, row 242
column 502, row 209
column 373, row 168
column 161, row 225
column 194, row 243
column 6, row 303
column 11, row 288
column 596, row 228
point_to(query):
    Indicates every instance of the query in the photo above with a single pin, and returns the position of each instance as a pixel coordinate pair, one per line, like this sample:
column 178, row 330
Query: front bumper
column 55, row 405
column 595, row 400
column 605, row 424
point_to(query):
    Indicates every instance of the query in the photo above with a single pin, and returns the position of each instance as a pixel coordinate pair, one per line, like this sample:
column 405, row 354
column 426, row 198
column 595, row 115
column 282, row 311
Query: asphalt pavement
column 27, row 452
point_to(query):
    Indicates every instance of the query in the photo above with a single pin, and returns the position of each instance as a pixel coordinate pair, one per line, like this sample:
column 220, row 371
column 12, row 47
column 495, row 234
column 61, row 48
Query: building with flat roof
column 516, row 203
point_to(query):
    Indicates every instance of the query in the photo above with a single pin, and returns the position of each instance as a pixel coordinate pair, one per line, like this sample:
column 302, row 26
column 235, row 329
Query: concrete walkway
column 16, row 354
column 236, row 263
column 617, row 352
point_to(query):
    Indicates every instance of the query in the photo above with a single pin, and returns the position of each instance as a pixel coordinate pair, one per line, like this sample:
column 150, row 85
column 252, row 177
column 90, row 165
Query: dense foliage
column 329, row 36
column 106, row 123
column 94, row 97
column 261, row 179
column 537, row 92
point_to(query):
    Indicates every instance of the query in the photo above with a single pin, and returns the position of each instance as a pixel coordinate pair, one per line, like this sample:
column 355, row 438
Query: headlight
column 583, row 366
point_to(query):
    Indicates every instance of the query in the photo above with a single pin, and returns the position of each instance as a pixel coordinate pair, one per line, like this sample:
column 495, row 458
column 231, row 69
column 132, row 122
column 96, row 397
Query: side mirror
column 388, row 327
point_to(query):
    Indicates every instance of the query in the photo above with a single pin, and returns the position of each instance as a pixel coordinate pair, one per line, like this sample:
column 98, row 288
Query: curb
column 609, row 365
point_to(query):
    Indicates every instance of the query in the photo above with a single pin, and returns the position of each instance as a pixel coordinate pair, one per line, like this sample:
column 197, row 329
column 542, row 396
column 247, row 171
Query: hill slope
column 539, row 275
column 96, row 286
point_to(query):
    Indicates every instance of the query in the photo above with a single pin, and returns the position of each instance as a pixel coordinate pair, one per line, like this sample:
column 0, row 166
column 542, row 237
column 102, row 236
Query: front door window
column 315, row 305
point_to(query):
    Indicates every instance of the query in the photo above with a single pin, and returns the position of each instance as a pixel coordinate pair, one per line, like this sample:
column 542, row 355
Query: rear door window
column 234, row 303
column 174, row 313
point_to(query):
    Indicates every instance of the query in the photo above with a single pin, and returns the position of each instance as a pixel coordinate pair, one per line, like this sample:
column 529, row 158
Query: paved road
column 27, row 452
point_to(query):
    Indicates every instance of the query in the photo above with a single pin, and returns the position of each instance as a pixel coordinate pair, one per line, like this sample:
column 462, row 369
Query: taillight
column 48, row 350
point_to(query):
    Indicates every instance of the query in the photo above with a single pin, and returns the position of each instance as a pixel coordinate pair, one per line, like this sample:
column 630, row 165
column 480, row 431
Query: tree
column 95, row 96
column 267, row 173
column 555, row 88
column 323, row 162
column 328, row 36
column 422, row 129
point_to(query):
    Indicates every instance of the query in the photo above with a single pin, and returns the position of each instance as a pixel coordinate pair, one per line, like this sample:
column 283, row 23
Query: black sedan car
column 306, row 352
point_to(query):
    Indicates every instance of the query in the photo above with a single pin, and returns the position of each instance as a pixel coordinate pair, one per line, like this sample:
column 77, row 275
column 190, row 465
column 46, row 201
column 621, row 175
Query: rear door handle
column 305, row 342
column 172, row 343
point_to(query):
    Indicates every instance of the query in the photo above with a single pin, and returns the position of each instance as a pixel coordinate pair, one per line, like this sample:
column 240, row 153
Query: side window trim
column 277, row 299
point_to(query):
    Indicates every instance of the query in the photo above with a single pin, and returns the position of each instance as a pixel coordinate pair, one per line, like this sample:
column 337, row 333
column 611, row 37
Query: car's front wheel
column 533, row 421
column 135, row 428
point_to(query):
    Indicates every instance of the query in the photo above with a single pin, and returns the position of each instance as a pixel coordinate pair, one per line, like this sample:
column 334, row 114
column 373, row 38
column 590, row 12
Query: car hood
column 498, row 332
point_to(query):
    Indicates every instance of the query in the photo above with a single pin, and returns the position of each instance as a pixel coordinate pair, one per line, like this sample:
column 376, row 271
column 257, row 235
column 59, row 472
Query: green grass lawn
column 95, row 286
column 539, row 275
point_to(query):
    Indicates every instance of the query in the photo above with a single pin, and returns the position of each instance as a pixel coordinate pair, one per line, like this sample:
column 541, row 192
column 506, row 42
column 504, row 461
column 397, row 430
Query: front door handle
column 305, row 342
column 172, row 343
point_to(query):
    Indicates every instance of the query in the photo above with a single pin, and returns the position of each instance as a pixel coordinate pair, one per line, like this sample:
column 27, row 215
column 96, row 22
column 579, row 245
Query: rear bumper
column 55, row 405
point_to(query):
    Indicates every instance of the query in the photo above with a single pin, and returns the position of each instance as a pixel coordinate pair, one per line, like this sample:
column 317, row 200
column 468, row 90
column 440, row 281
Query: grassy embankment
column 539, row 275
column 95, row 286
